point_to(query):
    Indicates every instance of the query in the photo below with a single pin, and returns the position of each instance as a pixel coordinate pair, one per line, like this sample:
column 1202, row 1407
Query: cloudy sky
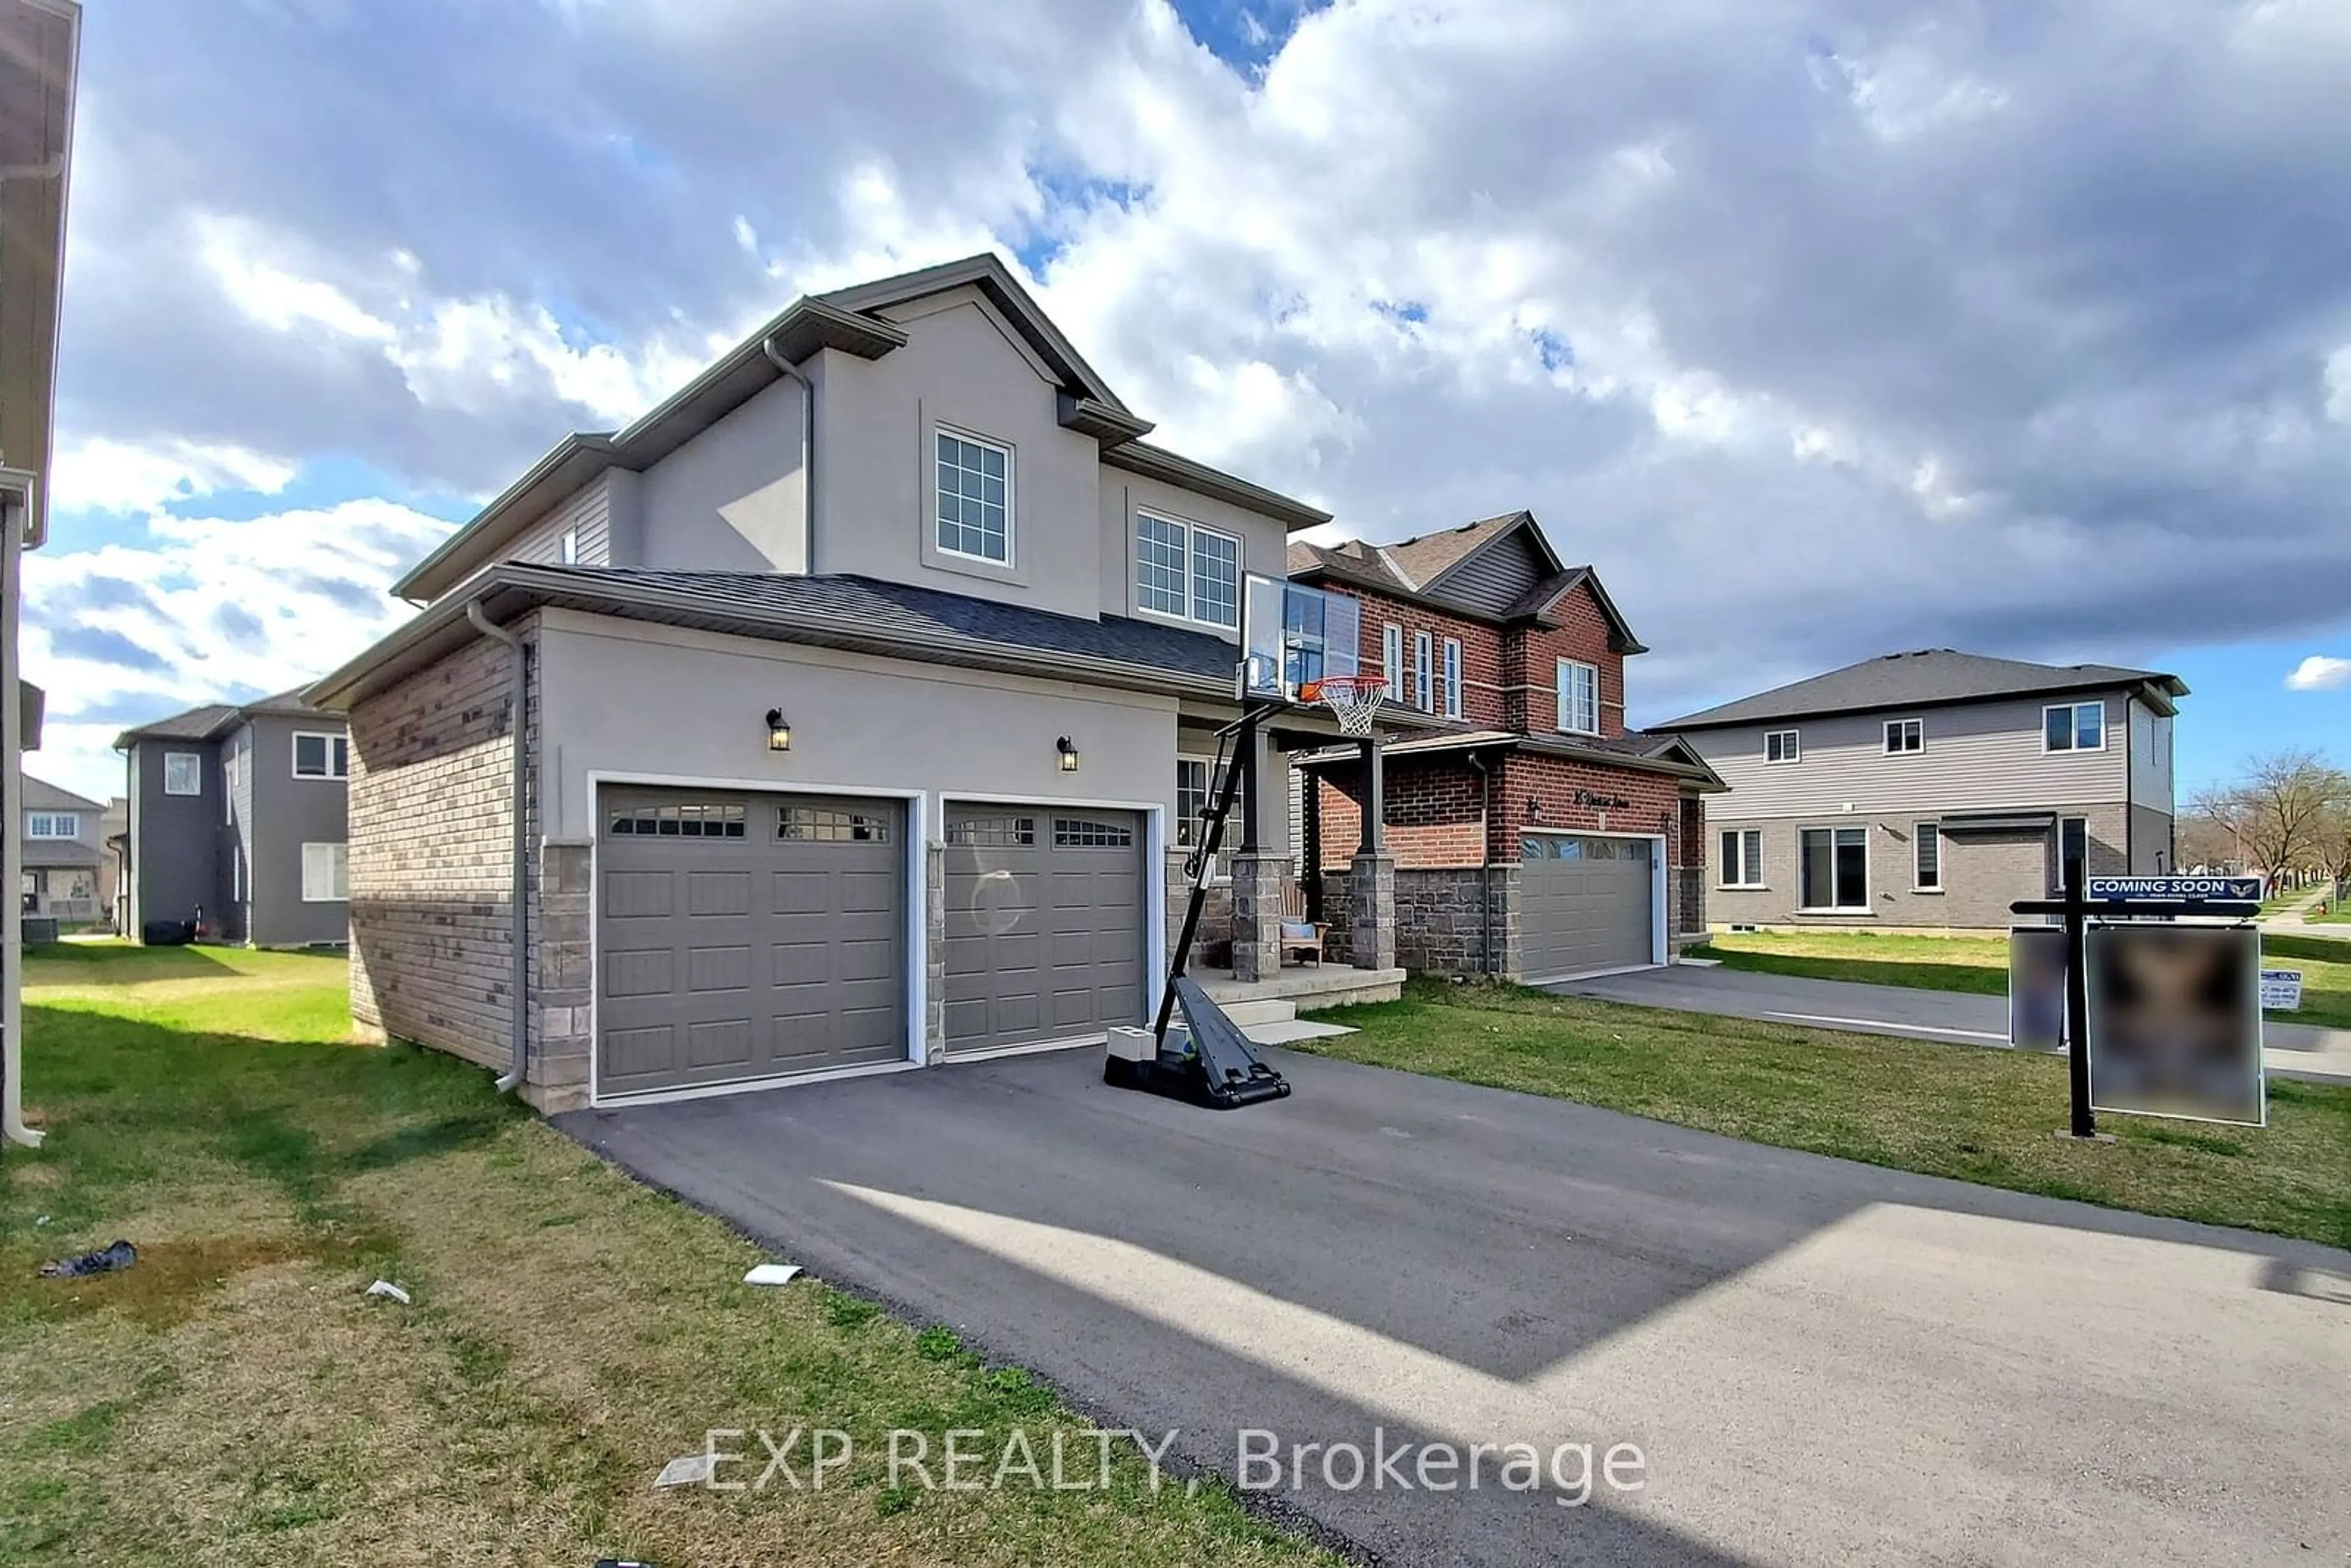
column 1825, row 327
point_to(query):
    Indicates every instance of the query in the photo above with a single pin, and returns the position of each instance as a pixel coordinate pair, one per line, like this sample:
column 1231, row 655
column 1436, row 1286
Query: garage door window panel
column 828, row 825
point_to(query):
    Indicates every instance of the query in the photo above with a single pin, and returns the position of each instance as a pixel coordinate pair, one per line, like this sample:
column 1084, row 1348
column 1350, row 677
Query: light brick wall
column 431, row 857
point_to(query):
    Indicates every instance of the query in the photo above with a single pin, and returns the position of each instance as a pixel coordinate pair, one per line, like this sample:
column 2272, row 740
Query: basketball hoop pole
column 1243, row 734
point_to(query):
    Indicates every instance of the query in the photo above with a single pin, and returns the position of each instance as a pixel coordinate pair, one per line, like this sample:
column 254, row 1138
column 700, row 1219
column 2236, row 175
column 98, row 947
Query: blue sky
column 1822, row 329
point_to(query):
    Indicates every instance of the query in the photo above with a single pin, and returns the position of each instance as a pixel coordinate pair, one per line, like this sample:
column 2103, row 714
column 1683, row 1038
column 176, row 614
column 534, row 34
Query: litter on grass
column 104, row 1260
column 687, row 1471
column 386, row 1288
column 772, row 1274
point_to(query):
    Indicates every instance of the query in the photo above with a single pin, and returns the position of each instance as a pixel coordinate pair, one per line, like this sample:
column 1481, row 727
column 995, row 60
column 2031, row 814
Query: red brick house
column 1533, row 835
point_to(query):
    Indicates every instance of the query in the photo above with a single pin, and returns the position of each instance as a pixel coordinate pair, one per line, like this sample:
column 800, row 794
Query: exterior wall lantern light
column 780, row 733
column 1069, row 751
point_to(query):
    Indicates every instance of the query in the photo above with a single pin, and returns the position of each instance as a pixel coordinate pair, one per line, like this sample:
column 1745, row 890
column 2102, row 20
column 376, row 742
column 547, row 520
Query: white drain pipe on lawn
column 520, row 689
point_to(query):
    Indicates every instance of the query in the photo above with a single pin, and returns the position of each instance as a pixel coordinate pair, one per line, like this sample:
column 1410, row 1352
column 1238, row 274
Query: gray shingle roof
column 916, row 614
column 212, row 719
column 1928, row 676
column 40, row 795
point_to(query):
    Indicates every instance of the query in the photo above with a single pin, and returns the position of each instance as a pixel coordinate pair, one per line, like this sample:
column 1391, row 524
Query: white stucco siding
column 1264, row 541
column 877, row 423
column 732, row 498
column 619, row 697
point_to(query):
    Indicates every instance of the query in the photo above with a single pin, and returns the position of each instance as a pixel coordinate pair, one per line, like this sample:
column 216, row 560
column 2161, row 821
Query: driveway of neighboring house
column 1950, row 1017
column 1819, row 1362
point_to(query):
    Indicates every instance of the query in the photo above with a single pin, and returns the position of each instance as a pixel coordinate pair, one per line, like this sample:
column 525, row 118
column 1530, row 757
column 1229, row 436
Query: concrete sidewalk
column 1948, row 1018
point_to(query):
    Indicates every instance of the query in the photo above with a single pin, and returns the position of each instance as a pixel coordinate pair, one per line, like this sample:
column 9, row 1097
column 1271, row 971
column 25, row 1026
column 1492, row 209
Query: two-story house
column 64, row 853
column 830, row 718
column 1929, row 790
column 1534, row 836
column 235, row 826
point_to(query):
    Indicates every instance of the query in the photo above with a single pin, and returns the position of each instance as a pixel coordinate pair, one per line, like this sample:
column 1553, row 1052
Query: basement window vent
column 1740, row 926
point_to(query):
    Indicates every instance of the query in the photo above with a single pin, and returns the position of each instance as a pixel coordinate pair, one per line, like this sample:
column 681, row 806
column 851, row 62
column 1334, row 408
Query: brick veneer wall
column 1435, row 808
column 431, row 856
column 1509, row 675
column 1440, row 929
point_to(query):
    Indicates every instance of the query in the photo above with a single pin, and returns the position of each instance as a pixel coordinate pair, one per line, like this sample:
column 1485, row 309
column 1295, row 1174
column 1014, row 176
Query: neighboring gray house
column 237, row 823
column 1929, row 790
column 65, row 853
column 832, row 717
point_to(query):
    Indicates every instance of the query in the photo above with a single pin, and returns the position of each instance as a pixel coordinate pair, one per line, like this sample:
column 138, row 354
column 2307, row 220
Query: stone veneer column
column 1371, row 908
column 562, row 1016
column 935, row 953
column 1257, row 883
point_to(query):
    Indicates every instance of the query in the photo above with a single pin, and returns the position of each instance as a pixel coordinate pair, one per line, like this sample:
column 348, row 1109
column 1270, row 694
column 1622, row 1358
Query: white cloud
column 205, row 610
column 2338, row 376
column 2319, row 672
column 98, row 475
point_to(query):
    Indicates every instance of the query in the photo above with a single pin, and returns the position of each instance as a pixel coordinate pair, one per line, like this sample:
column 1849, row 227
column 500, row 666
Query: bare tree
column 2284, row 800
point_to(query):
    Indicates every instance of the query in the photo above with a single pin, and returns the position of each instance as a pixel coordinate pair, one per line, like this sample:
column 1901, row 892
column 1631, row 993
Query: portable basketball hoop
column 1354, row 700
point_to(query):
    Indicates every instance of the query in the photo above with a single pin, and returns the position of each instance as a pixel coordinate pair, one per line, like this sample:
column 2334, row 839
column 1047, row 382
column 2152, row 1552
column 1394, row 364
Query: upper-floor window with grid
column 680, row 820
column 1160, row 581
column 994, row 833
column 831, row 825
column 974, row 497
column 1084, row 834
column 1184, row 570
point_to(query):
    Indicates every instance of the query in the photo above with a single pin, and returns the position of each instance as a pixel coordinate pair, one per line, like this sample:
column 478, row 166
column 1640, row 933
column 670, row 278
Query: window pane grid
column 682, row 819
column 829, row 825
column 994, row 833
column 1216, row 578
column 974, row 507
column 1081, row 832
column 1159, row 565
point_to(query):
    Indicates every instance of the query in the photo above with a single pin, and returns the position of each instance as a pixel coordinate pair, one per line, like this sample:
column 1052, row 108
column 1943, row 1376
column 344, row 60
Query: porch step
column 1260, row 1010
column 1279, row 997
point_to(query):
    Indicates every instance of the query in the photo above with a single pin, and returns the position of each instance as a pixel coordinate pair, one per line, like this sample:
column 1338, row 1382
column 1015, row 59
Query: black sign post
column 2126, row 901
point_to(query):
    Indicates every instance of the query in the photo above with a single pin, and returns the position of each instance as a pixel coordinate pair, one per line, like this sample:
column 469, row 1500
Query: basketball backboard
column 1291, row 633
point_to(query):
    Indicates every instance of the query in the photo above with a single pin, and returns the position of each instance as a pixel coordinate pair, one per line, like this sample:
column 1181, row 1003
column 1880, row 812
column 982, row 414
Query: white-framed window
column 571, row 546
column 1392, row 659
column 1185, row 570
column 1579, row 697
column 1452, row 703
column 2074, row 726
column 1197, row 783
column 1742, row 857
column 1927, row 849
column 974, row 497
column 53, row 825
column 184, row 773
column 230, row 760
column 326, row 873
column 1904, row 735
column 318, row 755
column 1782, row 745
column 1424, row 671
column 236, row 877
column 1834, row 869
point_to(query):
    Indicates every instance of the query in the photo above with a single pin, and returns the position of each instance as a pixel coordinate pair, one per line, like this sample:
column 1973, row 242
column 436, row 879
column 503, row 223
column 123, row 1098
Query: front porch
column 1267, row 1009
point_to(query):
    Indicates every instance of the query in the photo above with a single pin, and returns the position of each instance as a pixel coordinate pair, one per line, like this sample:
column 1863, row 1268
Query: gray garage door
column 1585, row 904
column 743, row 936
column 1044, row 923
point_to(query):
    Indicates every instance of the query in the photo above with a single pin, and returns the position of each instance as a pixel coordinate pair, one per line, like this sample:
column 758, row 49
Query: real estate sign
column 2109, row 889
column 2281, row 989
column 2175, row 1022
column 2037, row 988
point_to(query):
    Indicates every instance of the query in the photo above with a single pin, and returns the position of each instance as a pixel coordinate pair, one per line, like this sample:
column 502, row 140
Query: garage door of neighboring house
column 742, row 936
column 1044, row 927
column 1586, row 902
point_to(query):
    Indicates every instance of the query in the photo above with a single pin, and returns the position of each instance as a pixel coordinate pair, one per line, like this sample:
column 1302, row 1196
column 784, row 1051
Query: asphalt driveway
column 1819, row 1362
column 1950, row 1018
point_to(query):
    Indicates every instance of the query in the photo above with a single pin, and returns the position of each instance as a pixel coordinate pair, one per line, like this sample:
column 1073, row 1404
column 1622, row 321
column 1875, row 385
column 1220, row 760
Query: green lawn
column 1978, row 1115
column 236, row 1399
column 1980, row 964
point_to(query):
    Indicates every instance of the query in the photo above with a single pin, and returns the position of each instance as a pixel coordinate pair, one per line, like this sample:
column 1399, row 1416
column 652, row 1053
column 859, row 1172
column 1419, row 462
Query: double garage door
column 743, row 937
column 1586, row 902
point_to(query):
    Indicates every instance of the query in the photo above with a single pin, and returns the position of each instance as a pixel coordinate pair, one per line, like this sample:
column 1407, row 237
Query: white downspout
column 808, row 449
column 519, row 688
column 16, row 515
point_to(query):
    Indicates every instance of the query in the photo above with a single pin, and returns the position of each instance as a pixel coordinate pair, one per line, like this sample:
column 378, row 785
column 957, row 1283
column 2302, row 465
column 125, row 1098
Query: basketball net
column 1354, row 700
